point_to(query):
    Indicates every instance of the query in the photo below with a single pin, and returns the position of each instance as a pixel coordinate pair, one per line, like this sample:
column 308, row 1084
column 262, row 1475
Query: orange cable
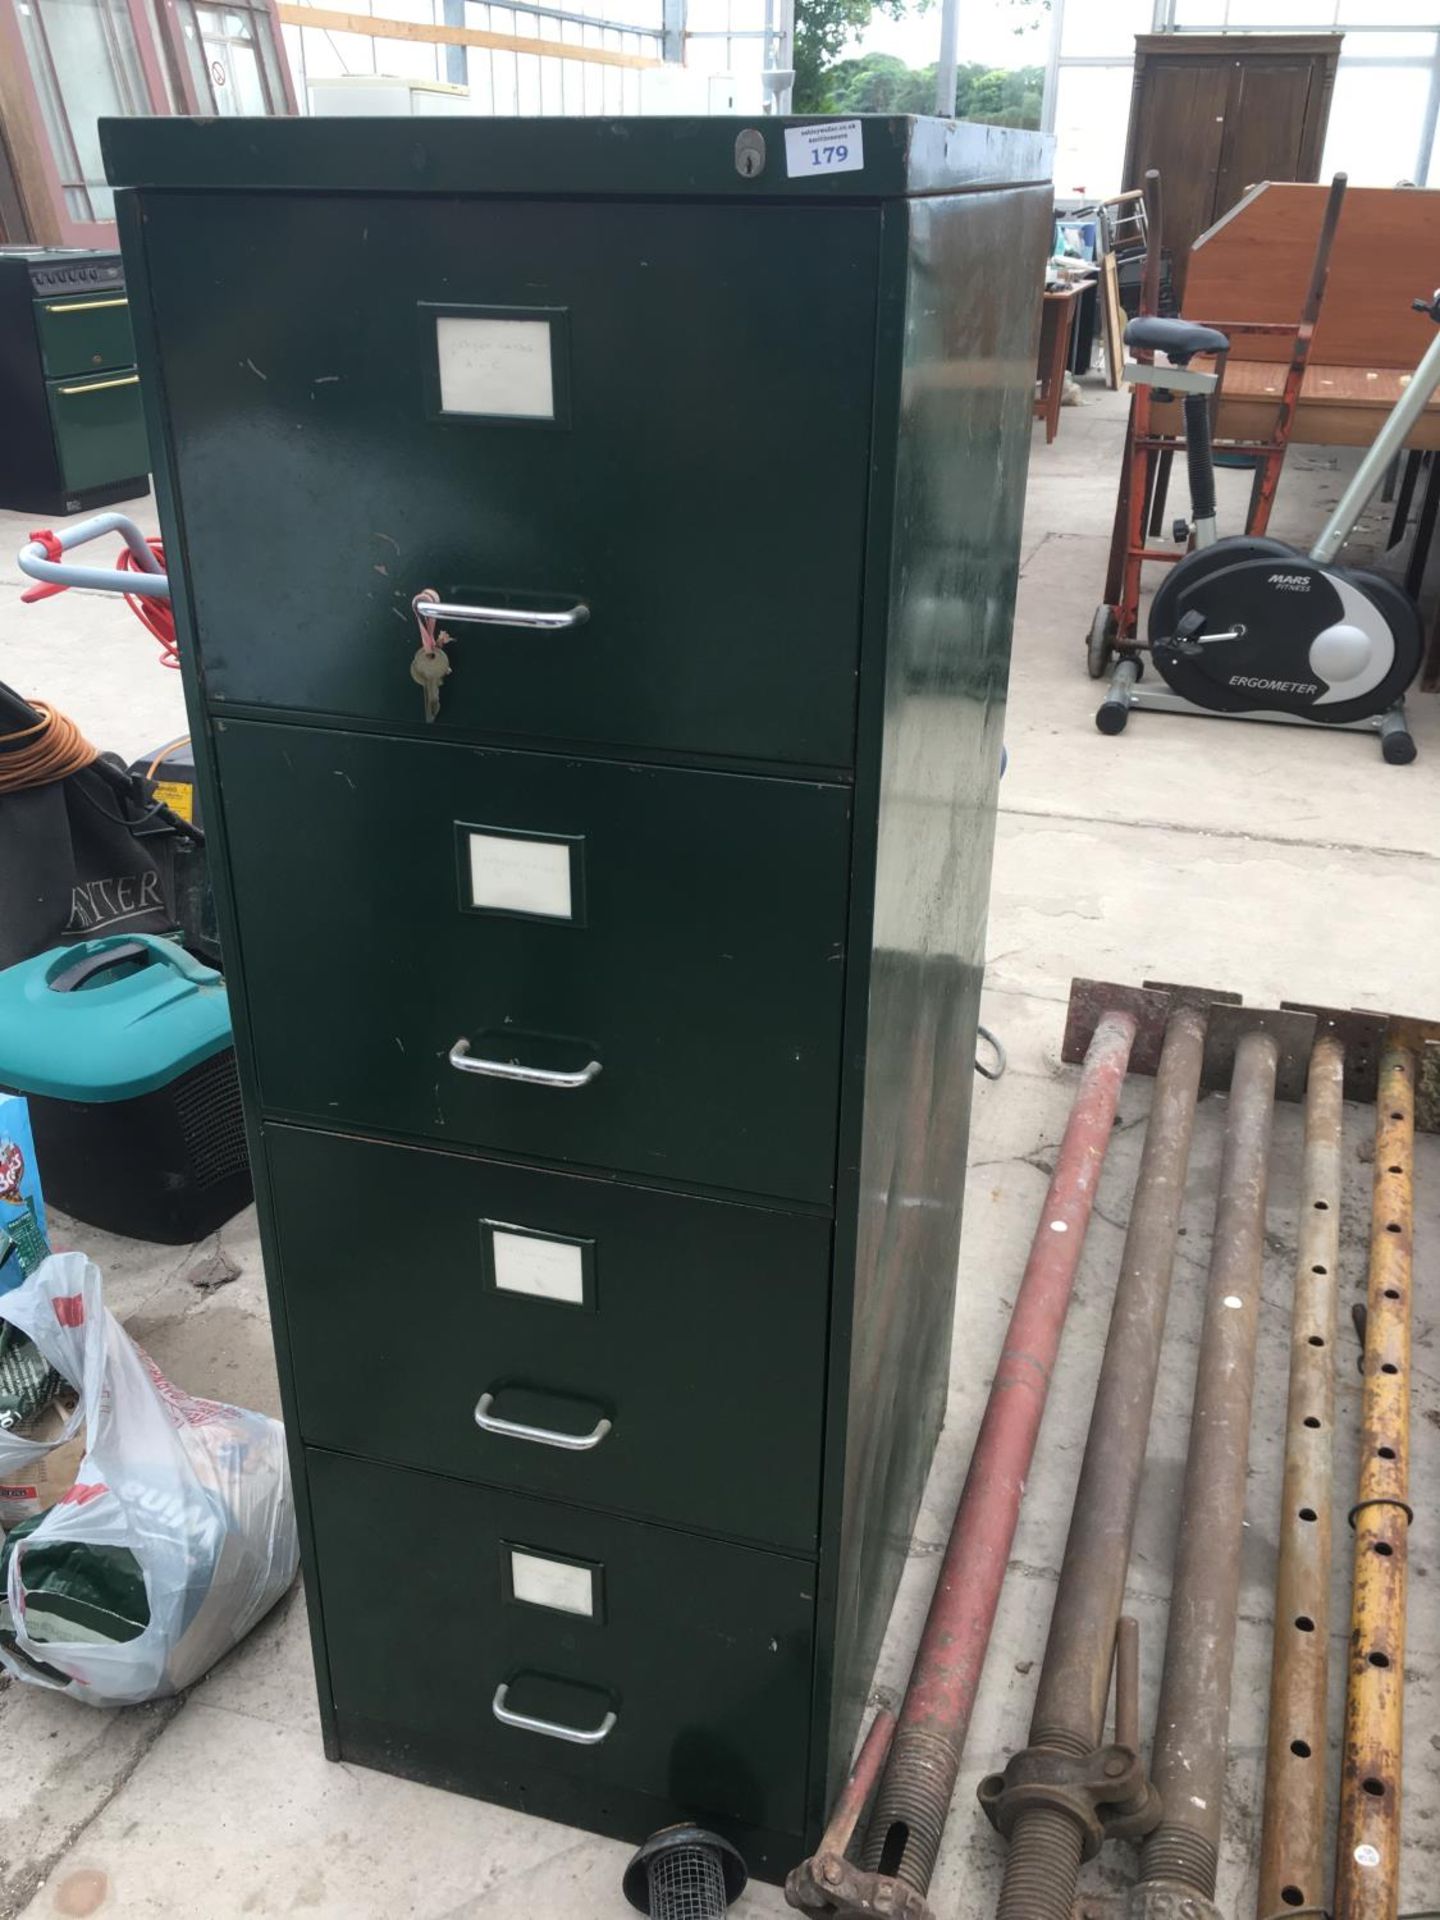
column 55, row 748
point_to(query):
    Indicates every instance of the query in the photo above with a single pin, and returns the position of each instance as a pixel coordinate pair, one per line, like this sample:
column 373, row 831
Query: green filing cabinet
column 606, row 1042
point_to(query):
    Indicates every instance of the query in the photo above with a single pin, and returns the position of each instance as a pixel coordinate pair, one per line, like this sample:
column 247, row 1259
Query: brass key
column 429, row 670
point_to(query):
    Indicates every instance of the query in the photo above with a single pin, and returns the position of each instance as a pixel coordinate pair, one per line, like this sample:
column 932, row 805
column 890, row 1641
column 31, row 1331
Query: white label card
column 521, row 876
column 492, row 366
column 552, row 1583
column 835, row 146
column 545, row 1269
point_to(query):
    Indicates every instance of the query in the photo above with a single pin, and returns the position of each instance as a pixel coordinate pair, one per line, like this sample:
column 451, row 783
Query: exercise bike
column 1250, row 628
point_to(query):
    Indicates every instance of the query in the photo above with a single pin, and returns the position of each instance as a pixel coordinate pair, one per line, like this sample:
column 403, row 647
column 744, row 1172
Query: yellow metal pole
column 1367, row 1869
column 1292, row 1850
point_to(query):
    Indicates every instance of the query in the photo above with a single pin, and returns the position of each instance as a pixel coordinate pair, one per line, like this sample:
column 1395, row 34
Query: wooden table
column 1255, row 265
column 1057, row 324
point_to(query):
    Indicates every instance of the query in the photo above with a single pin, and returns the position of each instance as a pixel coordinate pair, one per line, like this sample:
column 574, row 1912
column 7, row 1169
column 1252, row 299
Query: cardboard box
column 21, row 1200
column 36, row 1488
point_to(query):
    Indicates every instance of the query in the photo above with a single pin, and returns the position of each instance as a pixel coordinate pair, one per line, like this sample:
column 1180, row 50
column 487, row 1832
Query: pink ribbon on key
column 429, row 639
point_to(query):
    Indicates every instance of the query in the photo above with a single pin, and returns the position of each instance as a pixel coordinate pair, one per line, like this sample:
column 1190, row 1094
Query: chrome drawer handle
column 426, row 609
column 541, row 1436
column 84, row 306
column 464, row 1061
column 103, row 386
column 577, row 1736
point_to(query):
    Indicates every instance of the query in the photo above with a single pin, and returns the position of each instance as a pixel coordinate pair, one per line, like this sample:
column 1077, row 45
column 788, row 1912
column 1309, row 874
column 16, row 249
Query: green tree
column 1003, row 96
column 821, row 29
column 881, row 83
column 877, row 83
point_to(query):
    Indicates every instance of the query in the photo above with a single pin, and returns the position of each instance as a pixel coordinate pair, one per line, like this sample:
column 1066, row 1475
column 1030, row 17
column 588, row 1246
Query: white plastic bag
column 199, row 1492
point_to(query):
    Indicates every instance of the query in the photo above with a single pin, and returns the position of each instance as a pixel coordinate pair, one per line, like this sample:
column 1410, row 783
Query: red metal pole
column 919, row 1778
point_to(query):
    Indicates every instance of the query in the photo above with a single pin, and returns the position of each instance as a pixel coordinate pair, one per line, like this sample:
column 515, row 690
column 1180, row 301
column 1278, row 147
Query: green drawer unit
column 607, row 1039
column 99, row 428
column 69, row 393
column 617, row 1318
column 692, row 961
column 693, row 1655
column 85, row 335
column 680, row 334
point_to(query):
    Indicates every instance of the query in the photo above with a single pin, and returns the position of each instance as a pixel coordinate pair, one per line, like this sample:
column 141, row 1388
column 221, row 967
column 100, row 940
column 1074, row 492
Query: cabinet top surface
column 871, row 157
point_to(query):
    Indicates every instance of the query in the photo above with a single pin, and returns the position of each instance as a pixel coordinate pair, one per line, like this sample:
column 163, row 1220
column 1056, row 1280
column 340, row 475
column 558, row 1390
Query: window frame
column 158, row 31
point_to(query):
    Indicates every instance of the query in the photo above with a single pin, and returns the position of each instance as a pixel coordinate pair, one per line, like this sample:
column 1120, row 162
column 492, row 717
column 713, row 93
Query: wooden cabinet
column 1215, row 113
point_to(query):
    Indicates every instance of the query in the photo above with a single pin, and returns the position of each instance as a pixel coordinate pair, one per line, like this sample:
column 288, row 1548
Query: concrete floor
column 1272, row 861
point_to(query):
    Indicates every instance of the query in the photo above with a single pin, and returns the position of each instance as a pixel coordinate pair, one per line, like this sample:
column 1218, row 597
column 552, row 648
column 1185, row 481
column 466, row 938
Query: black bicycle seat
column 1177, row 339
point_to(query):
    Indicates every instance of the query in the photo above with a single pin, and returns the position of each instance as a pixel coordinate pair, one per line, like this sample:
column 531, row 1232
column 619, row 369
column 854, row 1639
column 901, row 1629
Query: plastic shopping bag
column 178, row 1534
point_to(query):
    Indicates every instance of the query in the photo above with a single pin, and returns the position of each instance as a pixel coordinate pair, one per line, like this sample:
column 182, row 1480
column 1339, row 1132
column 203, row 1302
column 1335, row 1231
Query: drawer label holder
column 524, row 876
column 532, row 1264
column 534, row 1577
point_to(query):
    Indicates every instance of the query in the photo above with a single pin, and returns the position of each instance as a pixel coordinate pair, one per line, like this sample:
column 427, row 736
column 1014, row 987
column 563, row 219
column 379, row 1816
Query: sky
column 987, row 35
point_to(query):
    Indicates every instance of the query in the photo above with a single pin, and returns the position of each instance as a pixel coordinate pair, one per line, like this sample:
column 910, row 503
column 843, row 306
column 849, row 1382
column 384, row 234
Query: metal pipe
column 1114, row 709
column 1051, row 87
column 945, row 71
column 822, row 1882
column 919, row 1778
column 1320, row 265
column 1367, row 1867
column 1047, row 1841
column 1292, row 1848
column 1188, row 1756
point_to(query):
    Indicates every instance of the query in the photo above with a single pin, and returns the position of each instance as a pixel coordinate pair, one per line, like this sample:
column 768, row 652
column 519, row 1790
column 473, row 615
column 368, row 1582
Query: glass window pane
column 195, row 56
column 52, row 111
column 1375, row 124
column 1092, row 109
column 1403, row 13
column 232, row 61
column 269, row 61
column 92, row 70
column 1092, row 27
column 1312, row 15
column 1388, row 46
column 707, row 16
column 162, row 53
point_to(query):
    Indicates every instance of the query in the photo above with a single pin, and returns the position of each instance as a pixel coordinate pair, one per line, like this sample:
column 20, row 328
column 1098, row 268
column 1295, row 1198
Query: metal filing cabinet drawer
column 684, row 934
column 619, row 1318
column 84, row 334
column 721, row 570
column 436, row 1595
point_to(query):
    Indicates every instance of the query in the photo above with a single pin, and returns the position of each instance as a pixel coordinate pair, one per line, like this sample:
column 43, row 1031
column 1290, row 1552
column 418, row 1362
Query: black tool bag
column 81, row 857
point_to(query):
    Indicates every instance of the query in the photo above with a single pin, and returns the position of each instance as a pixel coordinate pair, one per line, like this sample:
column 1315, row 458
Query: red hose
column 156, row 616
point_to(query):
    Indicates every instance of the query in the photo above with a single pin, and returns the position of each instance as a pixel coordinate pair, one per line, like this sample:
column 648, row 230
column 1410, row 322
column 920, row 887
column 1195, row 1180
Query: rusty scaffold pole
column 918, row 1778
column 1068, row 1790
column 1266, row 1054
column 1367, row 1867
column 1292, row 1848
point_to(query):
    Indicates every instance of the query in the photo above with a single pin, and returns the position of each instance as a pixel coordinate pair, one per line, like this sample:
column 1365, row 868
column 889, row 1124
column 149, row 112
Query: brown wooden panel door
column 1179, row 127
column 1268, row 120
